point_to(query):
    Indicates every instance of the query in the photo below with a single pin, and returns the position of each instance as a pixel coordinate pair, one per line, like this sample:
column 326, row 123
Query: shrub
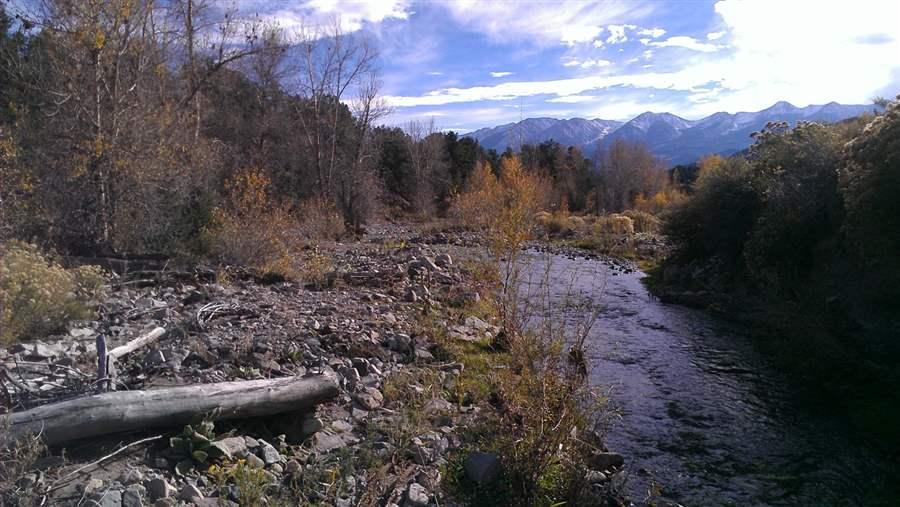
column 643, row 221
column 613, row 224
column 320, row 220
column 252, row 231
column 717, row 219
column 38, row 296
column 870, row 185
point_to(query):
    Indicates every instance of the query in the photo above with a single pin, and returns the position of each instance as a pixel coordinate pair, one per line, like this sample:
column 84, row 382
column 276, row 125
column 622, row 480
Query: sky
column 471, row 64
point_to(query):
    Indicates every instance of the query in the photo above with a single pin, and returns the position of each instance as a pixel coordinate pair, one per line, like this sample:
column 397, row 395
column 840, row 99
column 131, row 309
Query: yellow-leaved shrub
column 39, row 296
column 251, row 230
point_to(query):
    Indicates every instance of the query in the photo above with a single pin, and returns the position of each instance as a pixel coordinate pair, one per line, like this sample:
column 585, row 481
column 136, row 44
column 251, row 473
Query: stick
column 54, row 486
column 137, row 343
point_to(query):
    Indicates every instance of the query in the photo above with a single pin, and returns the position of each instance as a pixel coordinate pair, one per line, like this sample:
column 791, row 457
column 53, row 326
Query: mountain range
column 670, row 137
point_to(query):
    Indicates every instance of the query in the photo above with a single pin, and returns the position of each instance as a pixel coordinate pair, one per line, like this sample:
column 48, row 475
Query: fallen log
column 123, row 411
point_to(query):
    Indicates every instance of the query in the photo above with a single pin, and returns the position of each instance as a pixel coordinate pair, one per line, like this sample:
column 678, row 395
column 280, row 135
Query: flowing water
column 704, row 419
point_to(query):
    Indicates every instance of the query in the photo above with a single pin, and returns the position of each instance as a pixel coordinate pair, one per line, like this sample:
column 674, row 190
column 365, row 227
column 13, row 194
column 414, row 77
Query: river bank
column 706, row 419
column 400, row 323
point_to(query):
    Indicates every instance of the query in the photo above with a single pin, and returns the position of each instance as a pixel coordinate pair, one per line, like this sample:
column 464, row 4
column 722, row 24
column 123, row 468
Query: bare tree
column 426, row 152
column 331, row 64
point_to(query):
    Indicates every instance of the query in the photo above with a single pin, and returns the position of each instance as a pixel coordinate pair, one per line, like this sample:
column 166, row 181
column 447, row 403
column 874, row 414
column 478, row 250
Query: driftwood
column 122, row 411
column 140, row 341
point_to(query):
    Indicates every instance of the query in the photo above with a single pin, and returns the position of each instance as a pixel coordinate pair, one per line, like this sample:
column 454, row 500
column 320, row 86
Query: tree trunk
column 124, row 411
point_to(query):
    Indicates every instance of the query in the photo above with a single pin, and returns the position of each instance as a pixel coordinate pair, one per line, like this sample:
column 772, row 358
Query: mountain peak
column 668, row 136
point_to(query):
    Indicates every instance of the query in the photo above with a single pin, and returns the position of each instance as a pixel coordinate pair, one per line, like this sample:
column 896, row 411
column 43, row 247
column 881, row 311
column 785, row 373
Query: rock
column 82, row 333
column 268, row 453
column 251, row 442
column 111, row 498
column 93, row 486
column 277, row 469
column 416, row 495
column 401, row 343
column 324, row 442
column 254, row 461
column 131, row 476
column 232, row 447
column 437, row 406
column 165, row 502
column 133, row 496
column 595, row 477
column 159, row 488
column 482, row 467
column 410, row 296
column 443, row 260
column 370, row 398
column 188, row 492
column 604, row 461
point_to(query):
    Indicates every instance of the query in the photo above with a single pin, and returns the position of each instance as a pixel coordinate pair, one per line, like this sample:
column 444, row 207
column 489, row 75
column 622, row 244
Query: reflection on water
column 702, row 415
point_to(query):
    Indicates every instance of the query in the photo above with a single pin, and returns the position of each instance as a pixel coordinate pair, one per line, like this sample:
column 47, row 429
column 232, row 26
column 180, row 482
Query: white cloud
column 585, row 64
column 652, row 32
column 573, row 99
column 501, row 74
column 351, row 14
column 716, row 35
column 682, row 41
column 435, row 73
column 617, row 33
column 598, row 43
column 564, row 21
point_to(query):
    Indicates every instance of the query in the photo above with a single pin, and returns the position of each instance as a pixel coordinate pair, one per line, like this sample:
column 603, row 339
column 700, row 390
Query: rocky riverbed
column 360, row 327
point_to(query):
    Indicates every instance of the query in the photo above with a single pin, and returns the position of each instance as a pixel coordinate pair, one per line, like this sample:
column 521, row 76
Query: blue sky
column 470, row 64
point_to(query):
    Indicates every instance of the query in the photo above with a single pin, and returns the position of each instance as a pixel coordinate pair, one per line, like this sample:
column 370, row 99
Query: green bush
column 38, row 296
column 718, row 218
column 870, row 185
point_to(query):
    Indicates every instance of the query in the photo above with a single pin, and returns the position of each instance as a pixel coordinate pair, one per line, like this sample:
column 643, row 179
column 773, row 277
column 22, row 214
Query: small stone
column 595, row 477
column 254, row 461
column 251, row 442
column 40, row 351
column 443, row 260
column 131, row 476
column 111, row 498
column 133, row 496
column 93, row 486
column 410, row 296
column 370, row 398
column 232, row 447
column 277, row 469
column 268, row 453
column 324, row 442
column 28, row 481
column 482, row 467
column 159, row 488
column 188, row 492
column 165, row 502
column 416, row 495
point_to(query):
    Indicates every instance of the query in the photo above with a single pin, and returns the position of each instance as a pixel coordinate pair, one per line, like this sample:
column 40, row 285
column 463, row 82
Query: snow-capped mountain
column 670, row 137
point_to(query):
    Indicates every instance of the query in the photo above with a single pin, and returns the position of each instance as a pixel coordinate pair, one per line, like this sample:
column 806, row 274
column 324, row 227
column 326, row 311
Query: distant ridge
column 676, row 140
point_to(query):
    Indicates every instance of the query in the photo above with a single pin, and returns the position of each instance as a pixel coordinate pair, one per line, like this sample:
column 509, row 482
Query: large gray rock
column 111, row 498
column 189, row 492
column 370, row 398
column 483, row 467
